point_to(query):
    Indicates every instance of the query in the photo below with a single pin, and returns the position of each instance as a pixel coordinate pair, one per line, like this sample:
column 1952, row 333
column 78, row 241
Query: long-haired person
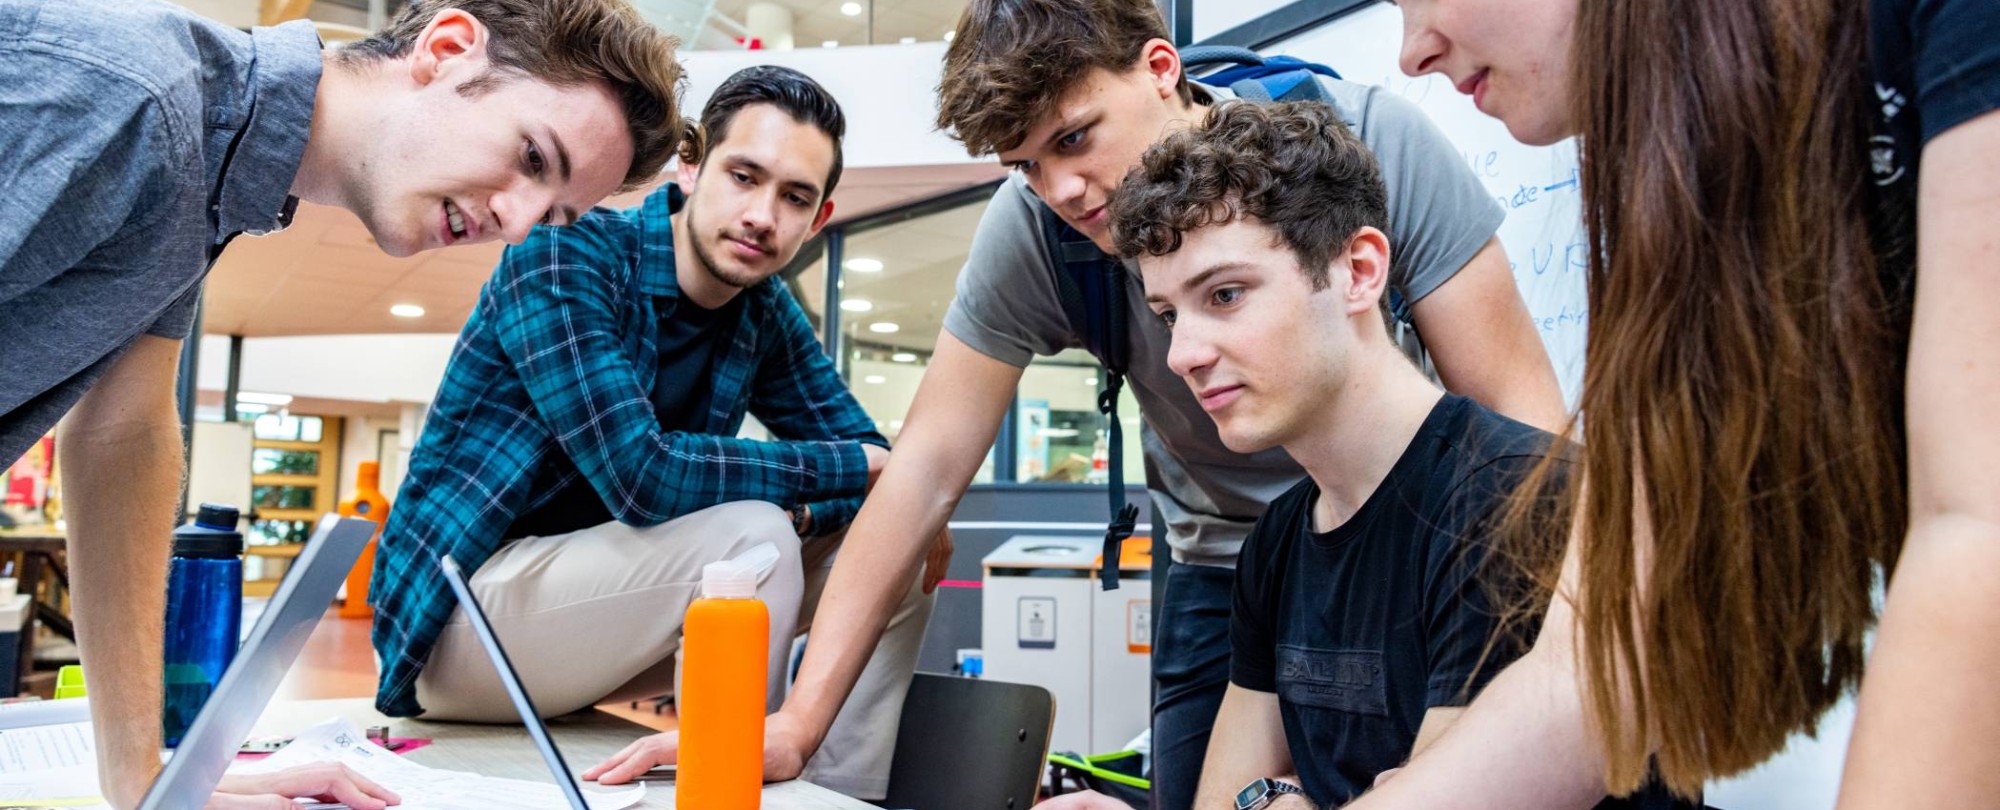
column 1795, row 213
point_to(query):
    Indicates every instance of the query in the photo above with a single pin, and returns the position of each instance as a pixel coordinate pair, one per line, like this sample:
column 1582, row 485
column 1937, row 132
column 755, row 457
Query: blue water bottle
column 204, row 613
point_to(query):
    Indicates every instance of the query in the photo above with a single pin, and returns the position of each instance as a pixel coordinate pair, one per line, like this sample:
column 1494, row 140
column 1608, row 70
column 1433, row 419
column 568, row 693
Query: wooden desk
column 584, row 739
column 40, row 549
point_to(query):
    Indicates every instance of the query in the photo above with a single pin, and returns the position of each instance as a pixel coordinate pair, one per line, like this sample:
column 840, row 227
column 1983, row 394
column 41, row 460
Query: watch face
column 1248, row 796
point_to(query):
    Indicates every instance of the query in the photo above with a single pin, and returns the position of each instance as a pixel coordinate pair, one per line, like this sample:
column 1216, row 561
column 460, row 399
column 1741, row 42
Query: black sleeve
column 1253, row 658
column 1460, row 620
column 1956, row 61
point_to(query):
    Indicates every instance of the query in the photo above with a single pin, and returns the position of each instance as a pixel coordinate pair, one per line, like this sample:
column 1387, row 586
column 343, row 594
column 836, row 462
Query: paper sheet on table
column 39, row 748
column 424, row 788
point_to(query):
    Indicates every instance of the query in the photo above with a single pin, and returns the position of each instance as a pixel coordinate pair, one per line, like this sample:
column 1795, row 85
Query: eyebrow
column 1063, row 127
column 562, row 154
column 1201, row 278
column 747, row 164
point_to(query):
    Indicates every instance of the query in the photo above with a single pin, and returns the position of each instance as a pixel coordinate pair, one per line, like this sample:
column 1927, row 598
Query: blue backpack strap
column 1091, row 286
column 1258, row 77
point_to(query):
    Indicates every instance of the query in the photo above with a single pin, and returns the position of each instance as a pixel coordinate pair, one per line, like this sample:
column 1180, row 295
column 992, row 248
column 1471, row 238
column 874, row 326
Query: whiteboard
column 1537, row 185
column 1543, row 234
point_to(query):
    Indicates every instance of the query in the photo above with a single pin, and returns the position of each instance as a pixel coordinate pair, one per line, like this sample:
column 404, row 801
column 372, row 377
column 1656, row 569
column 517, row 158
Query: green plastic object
column 69, row 682
column 1115, row 774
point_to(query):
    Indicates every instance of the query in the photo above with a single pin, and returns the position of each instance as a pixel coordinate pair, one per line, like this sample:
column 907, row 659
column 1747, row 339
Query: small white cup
column 8, row 587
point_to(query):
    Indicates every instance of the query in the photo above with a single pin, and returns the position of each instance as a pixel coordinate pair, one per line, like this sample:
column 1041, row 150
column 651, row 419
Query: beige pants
column 594, row 616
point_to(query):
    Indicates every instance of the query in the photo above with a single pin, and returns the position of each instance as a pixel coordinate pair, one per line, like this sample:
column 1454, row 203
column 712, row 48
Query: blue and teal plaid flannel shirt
column 550, row 381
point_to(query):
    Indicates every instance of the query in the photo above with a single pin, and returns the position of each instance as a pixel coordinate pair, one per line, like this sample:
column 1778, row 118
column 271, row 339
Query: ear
column 825, row 214
column 453, row 44
column 1163, row 68
column 687, row 175
column 1365, row 266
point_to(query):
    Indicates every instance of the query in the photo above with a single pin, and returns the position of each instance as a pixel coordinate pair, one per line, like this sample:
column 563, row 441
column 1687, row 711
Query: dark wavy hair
column 1293, row 167
column 1010, row 61
column 567, row 43
column 788, row 90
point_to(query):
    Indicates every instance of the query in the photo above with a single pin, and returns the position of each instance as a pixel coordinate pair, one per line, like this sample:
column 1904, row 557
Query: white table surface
column 584, row 739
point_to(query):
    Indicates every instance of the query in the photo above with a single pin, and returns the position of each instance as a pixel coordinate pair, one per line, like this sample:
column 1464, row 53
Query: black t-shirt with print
column 1936, row 64
column 1361, row 630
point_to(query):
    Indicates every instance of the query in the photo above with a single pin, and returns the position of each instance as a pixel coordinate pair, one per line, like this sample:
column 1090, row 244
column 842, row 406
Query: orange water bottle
column 725, row 658
column 367, row 504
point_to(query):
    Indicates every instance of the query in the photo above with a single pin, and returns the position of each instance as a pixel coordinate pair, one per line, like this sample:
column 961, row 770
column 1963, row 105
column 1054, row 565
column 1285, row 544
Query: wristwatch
column 801, row 519
column 1259, row 794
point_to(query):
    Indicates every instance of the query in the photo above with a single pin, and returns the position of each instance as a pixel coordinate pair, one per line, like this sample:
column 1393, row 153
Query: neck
column 329, row 155
column 698, row 284
column 1354, row 442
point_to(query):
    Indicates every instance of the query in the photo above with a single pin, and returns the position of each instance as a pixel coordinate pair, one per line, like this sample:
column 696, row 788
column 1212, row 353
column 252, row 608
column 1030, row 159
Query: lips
column 1216, row 398
column 467, row 226
column 746, row 247
column 1475, row 86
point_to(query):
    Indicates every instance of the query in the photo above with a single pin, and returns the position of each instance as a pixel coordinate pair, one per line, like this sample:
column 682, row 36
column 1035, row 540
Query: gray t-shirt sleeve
column 1006, row 307
column 1439, row 213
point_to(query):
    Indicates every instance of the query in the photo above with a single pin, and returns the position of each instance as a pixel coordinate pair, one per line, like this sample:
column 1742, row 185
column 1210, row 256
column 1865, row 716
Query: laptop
column 190, row 777
column 526, row 707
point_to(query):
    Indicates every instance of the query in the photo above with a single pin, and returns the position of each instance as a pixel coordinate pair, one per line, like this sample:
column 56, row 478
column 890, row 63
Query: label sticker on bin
column 1035, row 622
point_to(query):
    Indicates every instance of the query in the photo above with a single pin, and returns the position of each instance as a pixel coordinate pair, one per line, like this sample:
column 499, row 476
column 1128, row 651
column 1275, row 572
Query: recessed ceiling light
column 407, row 311
column 863, row 265
column 831, row 43
column 883, row 328
column 903, row 357
column 252, row 407
column 907, row 41
column 1090, row 381
column 262, row 399
column 875, row 379
column 851, row 9
column 948, row 35
column 857, row 305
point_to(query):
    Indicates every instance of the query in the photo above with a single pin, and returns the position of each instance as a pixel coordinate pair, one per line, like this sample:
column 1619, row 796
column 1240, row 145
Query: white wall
column 1212, row 17
column 374, row 368
column 889, row 93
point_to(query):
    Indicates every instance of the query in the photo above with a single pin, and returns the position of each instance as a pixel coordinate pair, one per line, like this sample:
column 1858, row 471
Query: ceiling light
column 947, row 35
column 883, row 328
column 407, row 311
column 851, row 9
column 875, row 379
column 907, row 41
column 251, row 407
column 863, row 265
column 903, row 357
column 1090, row 381
column 263, row 399
column 857, row 305
column 831, row 43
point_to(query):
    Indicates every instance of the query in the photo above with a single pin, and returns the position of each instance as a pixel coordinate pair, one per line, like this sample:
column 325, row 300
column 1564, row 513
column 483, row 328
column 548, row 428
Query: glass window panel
column 280, row 427
column 273, row 532
column 896, row 281
column 1059, row 434
column 270, row 461
column 283, row 496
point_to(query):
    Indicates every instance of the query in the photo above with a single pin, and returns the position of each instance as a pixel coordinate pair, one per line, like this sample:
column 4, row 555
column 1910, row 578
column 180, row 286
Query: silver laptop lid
column 246, row 687
column 529, row 717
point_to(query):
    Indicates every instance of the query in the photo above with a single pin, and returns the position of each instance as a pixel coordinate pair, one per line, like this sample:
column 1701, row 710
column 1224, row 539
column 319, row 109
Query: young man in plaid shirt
column 581, row 456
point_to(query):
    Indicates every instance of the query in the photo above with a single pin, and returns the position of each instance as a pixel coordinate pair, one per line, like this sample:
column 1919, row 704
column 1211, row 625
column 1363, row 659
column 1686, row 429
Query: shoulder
column 603, row 240
column 1491, row 454
column 1281, row 519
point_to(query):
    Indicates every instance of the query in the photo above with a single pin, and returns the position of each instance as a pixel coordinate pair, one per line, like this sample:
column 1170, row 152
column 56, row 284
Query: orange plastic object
column 367, row 504
column 725, row 648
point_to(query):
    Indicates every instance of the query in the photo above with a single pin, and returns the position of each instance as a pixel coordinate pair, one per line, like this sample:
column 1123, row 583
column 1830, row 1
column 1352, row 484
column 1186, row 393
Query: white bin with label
column 1035, row 625
column 1121, row 659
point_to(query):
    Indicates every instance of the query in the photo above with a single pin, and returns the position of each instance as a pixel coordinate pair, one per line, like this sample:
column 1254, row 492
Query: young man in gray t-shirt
column 1070, row 93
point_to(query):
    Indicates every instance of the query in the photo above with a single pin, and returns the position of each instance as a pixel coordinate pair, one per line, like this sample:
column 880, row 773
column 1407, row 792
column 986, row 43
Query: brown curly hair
column 1010, row 61
column 567, row 43
column 1294, row 167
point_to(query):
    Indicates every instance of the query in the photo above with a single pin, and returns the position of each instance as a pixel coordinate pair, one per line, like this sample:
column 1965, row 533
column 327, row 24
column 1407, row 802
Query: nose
column 1423, row 47
column 1190, row 353
column 760, row 216
column 517, row 211
column 1062, row 188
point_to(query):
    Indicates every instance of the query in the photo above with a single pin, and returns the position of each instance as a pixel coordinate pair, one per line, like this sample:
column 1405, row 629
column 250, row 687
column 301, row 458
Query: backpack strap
column 1260, row 78
column 1091, row 286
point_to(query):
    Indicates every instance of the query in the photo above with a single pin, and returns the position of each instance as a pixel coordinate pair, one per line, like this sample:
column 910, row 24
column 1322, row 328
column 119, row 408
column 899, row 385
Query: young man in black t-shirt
column 1361, row 622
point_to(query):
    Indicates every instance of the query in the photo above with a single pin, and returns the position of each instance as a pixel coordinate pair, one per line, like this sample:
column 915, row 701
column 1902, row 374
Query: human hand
column 787, row 747
column 639, row 757
column 1085, row 800
column 319, row 781
column 938, row 561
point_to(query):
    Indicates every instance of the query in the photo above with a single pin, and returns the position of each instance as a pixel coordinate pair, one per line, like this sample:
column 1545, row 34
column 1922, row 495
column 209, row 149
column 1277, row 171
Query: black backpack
column 1091, row 283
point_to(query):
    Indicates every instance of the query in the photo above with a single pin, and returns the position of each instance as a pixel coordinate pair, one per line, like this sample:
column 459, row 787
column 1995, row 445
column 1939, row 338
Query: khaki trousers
column 594, row 616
